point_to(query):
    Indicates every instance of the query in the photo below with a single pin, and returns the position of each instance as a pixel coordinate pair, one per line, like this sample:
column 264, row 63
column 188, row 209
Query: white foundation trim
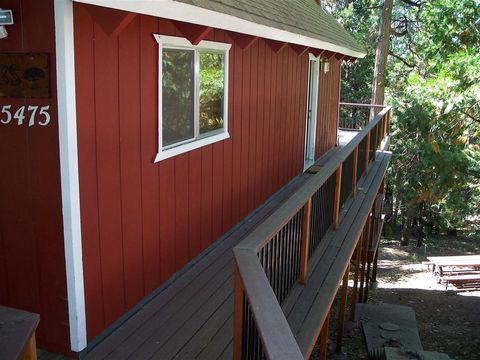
column 67, row 129
column 173, row 10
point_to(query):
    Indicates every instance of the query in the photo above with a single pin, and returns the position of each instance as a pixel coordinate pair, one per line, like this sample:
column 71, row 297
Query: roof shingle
column 303, row 17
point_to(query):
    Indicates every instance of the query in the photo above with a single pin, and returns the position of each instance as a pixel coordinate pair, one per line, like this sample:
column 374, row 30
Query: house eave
column 173, row 10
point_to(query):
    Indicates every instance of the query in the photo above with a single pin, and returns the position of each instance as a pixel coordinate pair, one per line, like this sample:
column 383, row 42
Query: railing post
column 388, row 122
column 367, row 152
column 354, row 172
column 375, row 142
column 336, row 200
column 305, row 241
column 343, row 305
column 324, row 339
column 239, row 298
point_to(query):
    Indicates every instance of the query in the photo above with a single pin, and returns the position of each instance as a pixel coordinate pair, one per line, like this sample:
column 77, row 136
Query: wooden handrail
column 275, row 222
column 363, row 105
column 272, row 327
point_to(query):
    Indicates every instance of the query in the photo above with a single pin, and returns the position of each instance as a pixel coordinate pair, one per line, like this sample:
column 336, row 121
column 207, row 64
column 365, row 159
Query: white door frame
column 311, row 113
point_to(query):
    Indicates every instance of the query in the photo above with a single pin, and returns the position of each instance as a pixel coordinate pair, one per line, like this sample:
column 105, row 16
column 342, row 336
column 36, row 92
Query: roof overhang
column 173, row 10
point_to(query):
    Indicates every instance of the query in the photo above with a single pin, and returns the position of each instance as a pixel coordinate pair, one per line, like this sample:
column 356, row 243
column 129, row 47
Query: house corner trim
column 65, row 63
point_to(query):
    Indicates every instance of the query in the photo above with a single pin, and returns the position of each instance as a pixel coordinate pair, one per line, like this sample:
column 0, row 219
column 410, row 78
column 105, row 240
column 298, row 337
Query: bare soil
column 448, row 320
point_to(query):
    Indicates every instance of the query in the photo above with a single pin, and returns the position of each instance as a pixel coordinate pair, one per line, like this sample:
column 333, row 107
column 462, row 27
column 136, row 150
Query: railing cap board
column 279, row 218
column 363, row 105
column 272, row 326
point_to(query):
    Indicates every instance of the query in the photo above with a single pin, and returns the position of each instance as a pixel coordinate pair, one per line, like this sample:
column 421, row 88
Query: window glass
column 212, row 84
column 177, row 96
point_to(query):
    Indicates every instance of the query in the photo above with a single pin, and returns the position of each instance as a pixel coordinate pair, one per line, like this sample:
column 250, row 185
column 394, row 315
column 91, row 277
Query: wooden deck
column 193, row 317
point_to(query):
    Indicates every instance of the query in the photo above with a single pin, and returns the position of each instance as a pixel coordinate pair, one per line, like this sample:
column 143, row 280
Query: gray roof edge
column 175, row 10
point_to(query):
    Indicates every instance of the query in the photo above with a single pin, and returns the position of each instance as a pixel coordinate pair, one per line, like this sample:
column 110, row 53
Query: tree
column 381, row 55
column 433, row 83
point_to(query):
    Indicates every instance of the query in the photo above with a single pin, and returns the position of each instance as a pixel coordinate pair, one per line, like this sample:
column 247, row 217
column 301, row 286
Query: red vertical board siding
column 252, row 134
column 32, row 255
column 194, row 202
column 235, row 125
column 245, row 136
column 167, row 218
column 87, row 161
column 142, row 221
column 149, row 173
column 328, row 99
column 265, row 165
column 181, row 210
column 109, row 173
column 130, row 160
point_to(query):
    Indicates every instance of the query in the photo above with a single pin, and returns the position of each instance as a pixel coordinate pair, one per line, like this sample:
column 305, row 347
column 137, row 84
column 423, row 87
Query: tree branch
column 401, row 59
column 413, row 3
column 398, row 34
column 477, row 120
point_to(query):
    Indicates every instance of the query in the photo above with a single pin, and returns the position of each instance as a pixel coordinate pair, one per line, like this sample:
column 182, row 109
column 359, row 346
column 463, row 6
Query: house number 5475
column 33, row 114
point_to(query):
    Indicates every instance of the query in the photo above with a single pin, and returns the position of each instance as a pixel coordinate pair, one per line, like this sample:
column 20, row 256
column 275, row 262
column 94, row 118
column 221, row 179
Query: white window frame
column 199, row 140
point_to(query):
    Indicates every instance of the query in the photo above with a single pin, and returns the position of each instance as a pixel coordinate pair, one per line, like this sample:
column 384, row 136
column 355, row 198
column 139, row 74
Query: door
column 312, row 102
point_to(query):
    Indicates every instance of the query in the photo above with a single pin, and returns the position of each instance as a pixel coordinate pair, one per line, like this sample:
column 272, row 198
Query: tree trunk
column 407, row 227
column 421, row 232
column 381, row 56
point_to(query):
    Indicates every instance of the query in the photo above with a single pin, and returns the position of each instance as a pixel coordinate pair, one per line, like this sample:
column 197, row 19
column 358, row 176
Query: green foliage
column 434, row 86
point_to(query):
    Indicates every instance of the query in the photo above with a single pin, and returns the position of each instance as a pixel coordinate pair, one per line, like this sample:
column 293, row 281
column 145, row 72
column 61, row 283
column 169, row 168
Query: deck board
column 192, row 318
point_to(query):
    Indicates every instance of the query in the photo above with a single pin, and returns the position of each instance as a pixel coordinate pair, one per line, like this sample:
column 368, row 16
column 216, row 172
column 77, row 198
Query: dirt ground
column 448, row 320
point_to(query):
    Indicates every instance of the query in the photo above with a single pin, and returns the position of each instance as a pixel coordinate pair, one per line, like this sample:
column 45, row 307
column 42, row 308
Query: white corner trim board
column 173, row 10
column 67, row 129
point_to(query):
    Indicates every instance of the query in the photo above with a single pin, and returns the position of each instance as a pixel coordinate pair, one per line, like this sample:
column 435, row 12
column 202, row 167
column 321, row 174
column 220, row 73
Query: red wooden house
column 145, row 132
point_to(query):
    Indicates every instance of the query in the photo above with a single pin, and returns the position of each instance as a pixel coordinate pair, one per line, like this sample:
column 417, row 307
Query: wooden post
column 353, row 300
column 388, row 122
column 30, row 350
column 336, row 201
column 354, row 173
column 365, row 244
column 238, row 316
column 367, row 152
column 343, row 305
column 375, row 263
column 324, row 339
column 305, row 241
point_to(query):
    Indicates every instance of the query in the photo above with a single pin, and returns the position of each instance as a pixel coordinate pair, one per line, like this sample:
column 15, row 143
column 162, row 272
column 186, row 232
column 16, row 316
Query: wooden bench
column 17, row 334
column 466, row 280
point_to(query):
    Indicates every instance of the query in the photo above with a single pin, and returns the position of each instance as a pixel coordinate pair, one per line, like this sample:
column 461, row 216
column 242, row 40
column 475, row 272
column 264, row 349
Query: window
column 192, row 94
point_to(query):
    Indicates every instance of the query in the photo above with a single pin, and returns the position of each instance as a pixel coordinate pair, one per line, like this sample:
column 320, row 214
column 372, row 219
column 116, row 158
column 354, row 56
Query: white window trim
column 173, row 42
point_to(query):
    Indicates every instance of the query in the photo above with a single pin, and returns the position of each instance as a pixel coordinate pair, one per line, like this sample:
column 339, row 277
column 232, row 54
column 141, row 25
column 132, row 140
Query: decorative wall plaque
column 25, row 75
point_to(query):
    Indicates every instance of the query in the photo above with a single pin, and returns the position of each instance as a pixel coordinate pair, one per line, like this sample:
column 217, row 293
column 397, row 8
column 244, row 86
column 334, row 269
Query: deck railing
column 272, row 259
column 354, row 116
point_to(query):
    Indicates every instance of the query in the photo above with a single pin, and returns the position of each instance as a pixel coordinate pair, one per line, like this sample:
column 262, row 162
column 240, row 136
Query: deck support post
column 305, row 241
column 375, row 263
column 354, row 172
column 239, row 299
column 365, row 244
column 367, row 153
column 343, row 305
column 322, row 352
column 336, row 201
column 353, row 300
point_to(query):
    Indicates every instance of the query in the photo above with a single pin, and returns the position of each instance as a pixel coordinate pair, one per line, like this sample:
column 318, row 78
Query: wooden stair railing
column 274, row 257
